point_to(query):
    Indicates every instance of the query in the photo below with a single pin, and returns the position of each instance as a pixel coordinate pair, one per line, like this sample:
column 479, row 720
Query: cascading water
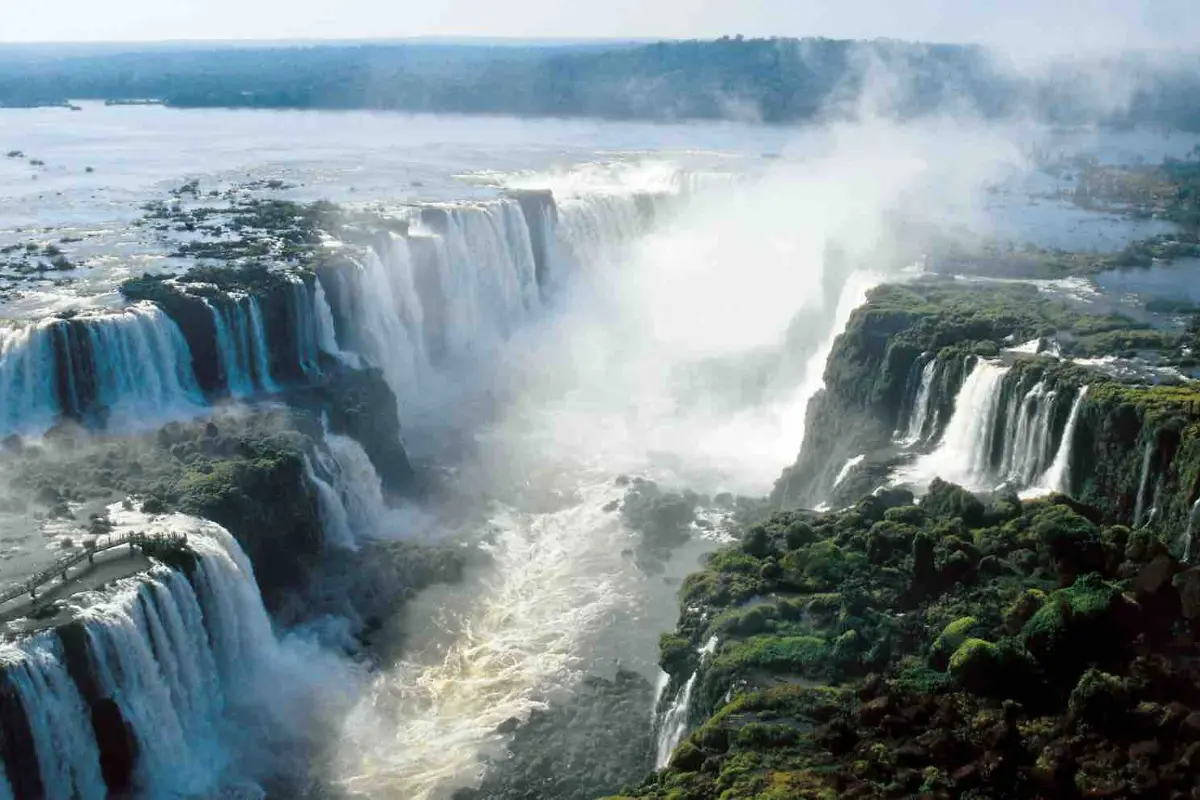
column 593, row 228
column 142, row 365
column 847, row 468
column 68, row 758
column 357, row 483
column 242, row 345
column 1001, row 433
column 1058, row 477
column 485, row 270
column 391, row 328
column 674, row 724
column 130, row 366
column 335, row 522
column 1027, row 436
column 1143, row 484
column 1188, row 544
column 28, row 403
column 206, row 690
column 176, row 750
column 303, row 311
column 965, row 452
column 326, row 330
column 918, row 418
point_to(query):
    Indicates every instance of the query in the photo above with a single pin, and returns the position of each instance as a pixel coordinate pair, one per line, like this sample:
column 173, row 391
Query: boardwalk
column 103, row 543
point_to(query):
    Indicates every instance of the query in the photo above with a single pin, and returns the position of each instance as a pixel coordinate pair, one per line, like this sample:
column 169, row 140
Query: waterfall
column 242, row 345
column 335, row 522
column 192, row 664
column 846, row 469
column 68, row 758
column 132, row 365
column 485, row 270
column 262, row 355
column 1189, row 536
column 1028, row 436
column 592, row 229
column 142, row 672
column 303, row 312
column 964, row 456
column 1143, row 482
column 674, row 723
column 326, row 330
column 387, row 315
column 27, row 397
column 358, row 484
column 237, row 378
column 142, row 364
column 920, row 410
column 1058, row 477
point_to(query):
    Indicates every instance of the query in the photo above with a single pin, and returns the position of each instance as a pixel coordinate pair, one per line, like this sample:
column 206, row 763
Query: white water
column 143, row 368
column 847, row 468
column 1058, row 477
column 920, row 410
column 28, row 401
column 242, row 346
column 962, row 457
column 1143, row 483
column 1028, row 436
column 326, row 330
column 211, row 695
column 387, row 314
column 674, row 724
column 1189, row 535
column 335, row 521
column 138, row 359
column 68, row 758
column 475, row 658
column 358, row 484
column 305, row 318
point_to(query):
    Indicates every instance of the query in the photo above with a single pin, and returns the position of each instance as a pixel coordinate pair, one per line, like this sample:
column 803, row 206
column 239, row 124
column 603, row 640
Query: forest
column 774, row 80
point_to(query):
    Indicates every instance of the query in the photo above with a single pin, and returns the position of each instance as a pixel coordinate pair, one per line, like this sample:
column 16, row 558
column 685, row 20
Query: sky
column 1039, row 25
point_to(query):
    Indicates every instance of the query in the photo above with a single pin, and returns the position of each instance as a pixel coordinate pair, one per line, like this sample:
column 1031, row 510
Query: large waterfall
column 1005, row 430
column 191, row 666
column 465, row 278
column 460, row 280
column 142, row 365
column 124, row 367
column 242, row 345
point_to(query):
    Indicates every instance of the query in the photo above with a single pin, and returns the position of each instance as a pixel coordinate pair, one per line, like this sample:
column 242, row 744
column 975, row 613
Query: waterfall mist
column 689, row 327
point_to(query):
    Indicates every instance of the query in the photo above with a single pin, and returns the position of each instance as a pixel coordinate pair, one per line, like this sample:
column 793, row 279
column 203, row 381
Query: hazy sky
column 1058, row 25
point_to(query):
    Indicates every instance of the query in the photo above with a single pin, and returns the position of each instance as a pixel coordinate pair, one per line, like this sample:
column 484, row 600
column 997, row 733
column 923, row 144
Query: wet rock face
column 118, row 748
column 17, row 747
column 662, row 518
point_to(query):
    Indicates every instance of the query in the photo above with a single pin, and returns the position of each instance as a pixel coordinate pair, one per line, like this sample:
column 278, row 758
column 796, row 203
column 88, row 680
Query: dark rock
column 118, row 747
column 1188, row 585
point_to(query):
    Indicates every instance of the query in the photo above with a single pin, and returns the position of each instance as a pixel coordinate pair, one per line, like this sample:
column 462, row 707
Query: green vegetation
column 775, row 80
column 956, row 648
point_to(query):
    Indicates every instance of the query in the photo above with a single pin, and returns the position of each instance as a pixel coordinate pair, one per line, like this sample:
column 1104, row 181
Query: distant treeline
column 772, row 80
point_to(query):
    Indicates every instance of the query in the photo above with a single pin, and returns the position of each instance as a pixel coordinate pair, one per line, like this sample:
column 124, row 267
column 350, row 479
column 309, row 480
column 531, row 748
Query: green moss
column 1075, row 626
column 1099, row 699
column 804, row 655
column 951, row 639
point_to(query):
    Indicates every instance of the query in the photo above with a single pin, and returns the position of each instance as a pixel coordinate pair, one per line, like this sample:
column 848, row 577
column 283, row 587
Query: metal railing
column 91, row 547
